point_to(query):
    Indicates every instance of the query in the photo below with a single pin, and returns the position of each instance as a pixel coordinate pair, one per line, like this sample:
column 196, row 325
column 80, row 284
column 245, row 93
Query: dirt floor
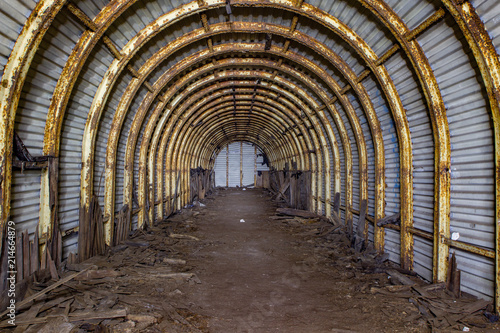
column 233, row 266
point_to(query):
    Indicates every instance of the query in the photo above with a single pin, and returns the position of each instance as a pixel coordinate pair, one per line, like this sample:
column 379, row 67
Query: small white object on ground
column 455, row 236
column 242, row 220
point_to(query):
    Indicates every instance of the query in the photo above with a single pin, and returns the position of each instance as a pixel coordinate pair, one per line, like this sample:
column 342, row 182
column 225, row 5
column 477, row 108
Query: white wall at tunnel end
column 248, row 166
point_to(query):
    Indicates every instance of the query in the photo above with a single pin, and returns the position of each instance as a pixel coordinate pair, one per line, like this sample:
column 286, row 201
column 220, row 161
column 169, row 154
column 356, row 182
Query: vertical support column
column 48, row 226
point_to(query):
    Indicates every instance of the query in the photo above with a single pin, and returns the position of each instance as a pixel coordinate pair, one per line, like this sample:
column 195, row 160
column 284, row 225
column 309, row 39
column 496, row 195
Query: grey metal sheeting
column 472, row 164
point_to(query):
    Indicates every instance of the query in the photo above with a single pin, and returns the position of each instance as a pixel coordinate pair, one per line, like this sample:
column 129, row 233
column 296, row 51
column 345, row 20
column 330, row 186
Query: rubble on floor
column 137, row 286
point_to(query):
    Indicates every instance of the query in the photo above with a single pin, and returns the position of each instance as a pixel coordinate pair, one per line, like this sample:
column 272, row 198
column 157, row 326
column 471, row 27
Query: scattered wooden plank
column 19, row 257
column 296, row 212
column 393, row 219
column 172, row 261
column 73, row 317
column 35, row 261
column 402, row 279
column 46, row 290
column 97, row 274
column 50, row 304
column 180, row 236
column 280, row 217
column 26, row 254
column 453, row 277
column 28, row 315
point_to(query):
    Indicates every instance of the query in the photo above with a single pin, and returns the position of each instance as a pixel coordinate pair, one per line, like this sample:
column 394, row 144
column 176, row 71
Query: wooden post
column 54, row 232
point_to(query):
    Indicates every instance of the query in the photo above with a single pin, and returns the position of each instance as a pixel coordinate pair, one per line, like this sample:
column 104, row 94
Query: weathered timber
column 297, row 212
column 393, row 219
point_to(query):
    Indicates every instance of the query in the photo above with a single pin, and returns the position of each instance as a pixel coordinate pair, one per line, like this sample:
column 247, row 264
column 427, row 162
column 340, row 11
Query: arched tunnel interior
column 379, row 117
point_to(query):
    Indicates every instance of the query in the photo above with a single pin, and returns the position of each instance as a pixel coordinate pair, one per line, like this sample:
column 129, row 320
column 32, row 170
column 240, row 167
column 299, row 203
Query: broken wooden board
column 46, row 290
column 402, row 279
column 179, row 236
column 297, row 212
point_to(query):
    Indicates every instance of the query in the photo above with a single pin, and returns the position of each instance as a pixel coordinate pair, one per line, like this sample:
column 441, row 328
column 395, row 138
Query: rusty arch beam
column 152, row 119
column 224, row 98
column 259, row 137
column 440, row 131
column 201, row 106
column 189, row 142
column 144, row 136
column 211, row 99
column 14, row 74
column 215, row 131
column 229, row 133
column 153, row 144
column 488, row 62
column 302, row 78
column 206, row 103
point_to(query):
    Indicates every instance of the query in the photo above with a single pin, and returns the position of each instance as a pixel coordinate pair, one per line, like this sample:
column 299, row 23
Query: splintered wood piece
column 142, row 318
column 26, row 254
column 172, row 261
column 73, row 317
column 400, row 277
column 97, row 274
column 453, row 277
column 46, row 290
column 179, row 236
column 35, row 256
column 28, row 315
column 19, row 257
column 296, row 212
column 393, row 219
column 52, row 267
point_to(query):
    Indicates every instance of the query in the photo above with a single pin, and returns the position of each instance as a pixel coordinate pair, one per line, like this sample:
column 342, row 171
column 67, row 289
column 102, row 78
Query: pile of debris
column 135, row 285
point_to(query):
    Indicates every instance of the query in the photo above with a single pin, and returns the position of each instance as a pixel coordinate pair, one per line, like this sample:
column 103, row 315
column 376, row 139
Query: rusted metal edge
column 14, row 75
column 488, row 62
column 438, row 119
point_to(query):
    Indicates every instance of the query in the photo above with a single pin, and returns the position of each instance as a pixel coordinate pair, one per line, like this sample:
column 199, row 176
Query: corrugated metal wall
column 392, row 238
column 246, row 163
column 73, row 127
column 461, row 85
column 32, row 112
column 417, row 114
column 488, row 11
column 13, row 15
column 472, row 150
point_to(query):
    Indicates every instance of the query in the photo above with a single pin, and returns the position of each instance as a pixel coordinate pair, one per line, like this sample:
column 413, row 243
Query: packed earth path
column 230, row 264
column 262, row 275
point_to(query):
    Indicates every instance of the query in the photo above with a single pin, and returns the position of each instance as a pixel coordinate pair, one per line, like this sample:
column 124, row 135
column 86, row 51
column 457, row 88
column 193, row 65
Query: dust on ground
column 229, row 265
